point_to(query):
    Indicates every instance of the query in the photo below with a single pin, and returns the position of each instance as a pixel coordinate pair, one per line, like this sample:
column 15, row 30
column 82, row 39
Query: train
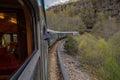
column 58, row 35
column 23, row 51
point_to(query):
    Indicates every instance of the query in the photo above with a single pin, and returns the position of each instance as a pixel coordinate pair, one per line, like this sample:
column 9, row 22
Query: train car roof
column 52, row 31
column 69, row 32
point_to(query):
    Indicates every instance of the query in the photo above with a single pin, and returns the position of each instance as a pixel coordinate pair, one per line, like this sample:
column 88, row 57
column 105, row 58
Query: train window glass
column 15, row 37
column 2, row 16
column 39, row 2
column 40, row 9
column 7, row 38
column 8, row 41
column 8, row 22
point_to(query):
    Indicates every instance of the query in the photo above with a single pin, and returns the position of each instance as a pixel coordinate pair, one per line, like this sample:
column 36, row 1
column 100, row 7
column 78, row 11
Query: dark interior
column 13, row 37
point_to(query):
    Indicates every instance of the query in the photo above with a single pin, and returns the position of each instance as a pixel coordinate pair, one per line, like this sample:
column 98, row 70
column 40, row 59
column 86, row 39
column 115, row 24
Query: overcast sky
column 48, row 3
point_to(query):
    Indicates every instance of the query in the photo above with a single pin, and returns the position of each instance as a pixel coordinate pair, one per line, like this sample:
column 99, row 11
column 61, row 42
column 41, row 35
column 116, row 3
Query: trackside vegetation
column 99, row 57
column 71, row 46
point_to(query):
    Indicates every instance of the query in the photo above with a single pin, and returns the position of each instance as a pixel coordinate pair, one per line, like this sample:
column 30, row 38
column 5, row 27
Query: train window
column 13, row 46
column 8, row 22
column 7, row 38
column 15, row 37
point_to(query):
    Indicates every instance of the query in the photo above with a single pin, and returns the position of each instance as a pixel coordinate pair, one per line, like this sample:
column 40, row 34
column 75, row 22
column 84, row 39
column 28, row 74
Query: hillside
column 81, row 14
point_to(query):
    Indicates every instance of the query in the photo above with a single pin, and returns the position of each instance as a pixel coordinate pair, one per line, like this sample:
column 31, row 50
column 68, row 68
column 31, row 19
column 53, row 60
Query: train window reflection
column 15, row 37
column 7, row 38
column 9, row 54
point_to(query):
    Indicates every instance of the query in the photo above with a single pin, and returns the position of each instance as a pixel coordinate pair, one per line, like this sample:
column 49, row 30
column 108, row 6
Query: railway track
column 70, row 69
column 65, row 66
column 53, row 67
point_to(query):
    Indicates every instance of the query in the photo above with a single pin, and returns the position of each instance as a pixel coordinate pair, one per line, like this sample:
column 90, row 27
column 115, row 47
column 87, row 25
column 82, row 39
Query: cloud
column 49, row 3
column 59, row 2
column 63, row 1
column 55, row 3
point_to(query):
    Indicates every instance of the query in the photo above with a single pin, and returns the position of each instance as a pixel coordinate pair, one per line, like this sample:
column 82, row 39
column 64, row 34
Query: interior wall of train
column 21, row 43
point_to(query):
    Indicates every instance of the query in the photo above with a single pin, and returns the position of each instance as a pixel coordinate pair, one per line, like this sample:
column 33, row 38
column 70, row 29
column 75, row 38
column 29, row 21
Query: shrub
column 98, row 57
column 115, row 43
column 71, row 46
column 92, row 52
column 113, row 69
column 105, row 28
column 113, row 64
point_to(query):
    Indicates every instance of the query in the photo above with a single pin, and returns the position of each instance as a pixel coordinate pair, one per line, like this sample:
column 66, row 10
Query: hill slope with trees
column 81, row 14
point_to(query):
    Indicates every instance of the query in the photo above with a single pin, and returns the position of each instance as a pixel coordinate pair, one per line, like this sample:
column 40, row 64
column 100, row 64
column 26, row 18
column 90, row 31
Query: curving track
column 53, row 67
column 71, row 66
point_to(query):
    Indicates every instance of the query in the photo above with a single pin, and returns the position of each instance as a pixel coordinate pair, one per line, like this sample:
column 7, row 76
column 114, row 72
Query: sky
column 49, row 3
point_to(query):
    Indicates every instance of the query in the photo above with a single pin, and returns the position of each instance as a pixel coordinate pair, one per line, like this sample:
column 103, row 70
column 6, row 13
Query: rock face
column 112, row 7
column 88, row 10
column 76, row 3
column 109, row 7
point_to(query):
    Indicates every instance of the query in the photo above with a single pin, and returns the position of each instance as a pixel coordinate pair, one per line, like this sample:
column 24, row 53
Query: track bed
column 63, row 66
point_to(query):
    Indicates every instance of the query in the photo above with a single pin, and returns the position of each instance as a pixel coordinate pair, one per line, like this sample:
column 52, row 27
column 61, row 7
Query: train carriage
column 23, row 52
column 57, row 35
